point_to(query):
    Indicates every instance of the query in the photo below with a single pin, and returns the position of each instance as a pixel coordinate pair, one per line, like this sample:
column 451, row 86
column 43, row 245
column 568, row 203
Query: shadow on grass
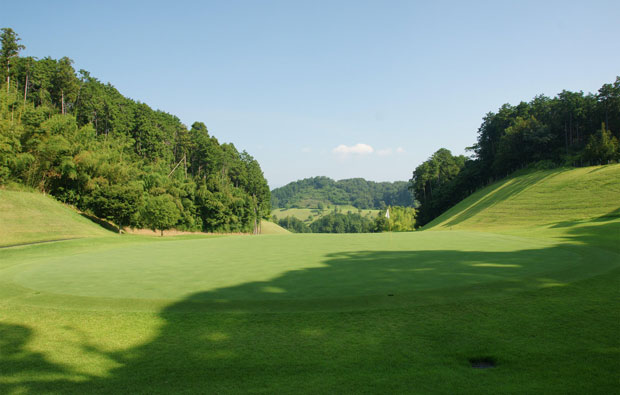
column 422, row 345
column 15, row 359
column 101, row 222
column 603, row 218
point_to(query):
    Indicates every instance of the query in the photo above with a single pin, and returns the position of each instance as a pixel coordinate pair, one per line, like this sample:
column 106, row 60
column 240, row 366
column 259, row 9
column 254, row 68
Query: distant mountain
column 363, row 194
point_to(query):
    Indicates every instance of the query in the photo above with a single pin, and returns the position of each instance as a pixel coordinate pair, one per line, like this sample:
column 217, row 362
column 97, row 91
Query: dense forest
column 571, row 129
column 69, row 135
column 312, row 192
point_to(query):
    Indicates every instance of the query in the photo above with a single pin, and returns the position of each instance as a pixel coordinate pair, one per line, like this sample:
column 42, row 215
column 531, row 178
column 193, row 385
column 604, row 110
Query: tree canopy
column 80, row 140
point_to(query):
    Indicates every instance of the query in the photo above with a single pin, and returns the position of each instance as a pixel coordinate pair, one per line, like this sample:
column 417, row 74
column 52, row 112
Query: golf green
column 279, row 267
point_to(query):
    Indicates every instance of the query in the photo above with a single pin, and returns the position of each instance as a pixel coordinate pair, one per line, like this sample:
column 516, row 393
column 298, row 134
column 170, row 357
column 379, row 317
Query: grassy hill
column 27, row 217
column 538, row 199
column 269, row 228
column 309, row 215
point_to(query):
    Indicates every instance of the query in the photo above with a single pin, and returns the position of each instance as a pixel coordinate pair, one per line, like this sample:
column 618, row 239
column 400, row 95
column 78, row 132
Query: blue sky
column 337, row 88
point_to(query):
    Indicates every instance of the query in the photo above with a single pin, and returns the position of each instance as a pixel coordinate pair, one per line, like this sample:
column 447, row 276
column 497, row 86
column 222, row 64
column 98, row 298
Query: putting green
column 300, row 266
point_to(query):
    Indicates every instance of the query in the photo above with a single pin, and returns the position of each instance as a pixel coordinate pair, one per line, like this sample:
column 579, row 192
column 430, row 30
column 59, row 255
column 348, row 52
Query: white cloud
column 359, row 149
column 400, row 150
column 384, row 152
column 306, row 150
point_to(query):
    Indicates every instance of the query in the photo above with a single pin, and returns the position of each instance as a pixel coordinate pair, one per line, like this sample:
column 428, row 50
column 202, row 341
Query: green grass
column 542, row 198
column 270, row 228
column 310, row 215
column 27, row 217
column 313, row 313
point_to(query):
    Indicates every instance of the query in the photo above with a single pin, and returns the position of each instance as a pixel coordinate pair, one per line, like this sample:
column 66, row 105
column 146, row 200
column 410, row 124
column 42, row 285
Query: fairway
column 316, row 313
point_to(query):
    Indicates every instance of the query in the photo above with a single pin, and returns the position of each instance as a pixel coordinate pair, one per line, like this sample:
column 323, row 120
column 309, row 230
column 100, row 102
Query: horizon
column 336, row 180
column 349, row 90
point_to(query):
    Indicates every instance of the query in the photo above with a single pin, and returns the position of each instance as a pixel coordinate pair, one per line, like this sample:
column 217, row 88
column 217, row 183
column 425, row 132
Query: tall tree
column 10, row 50
column 66, row 83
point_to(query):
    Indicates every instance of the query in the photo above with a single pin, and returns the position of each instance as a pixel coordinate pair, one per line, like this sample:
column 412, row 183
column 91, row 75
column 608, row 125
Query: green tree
column 602, row 147
column 118, row 203
column 65, row 84
column 10, row 49
column 160, row 212
column 295, row 225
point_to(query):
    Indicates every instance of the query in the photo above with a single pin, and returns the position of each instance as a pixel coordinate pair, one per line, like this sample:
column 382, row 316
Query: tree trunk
column 606, row 119
column 570, row 129
column 162, row 233
column 255, row 227
column 25, row 90
column 255, row 215
column 566, row 137
column 577, row 131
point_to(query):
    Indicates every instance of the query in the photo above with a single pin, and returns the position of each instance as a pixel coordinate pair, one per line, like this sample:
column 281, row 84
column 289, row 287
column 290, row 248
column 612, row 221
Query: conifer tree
column 10, row 50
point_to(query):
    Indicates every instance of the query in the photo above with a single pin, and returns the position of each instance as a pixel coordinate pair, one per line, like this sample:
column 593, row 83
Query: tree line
column 402, row 219
column 67, row 134
column 360, row 193
column 570, row 129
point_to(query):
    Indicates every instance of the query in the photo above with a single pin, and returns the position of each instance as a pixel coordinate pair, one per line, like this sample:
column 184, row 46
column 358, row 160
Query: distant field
column 310, row 215
column 333, row 313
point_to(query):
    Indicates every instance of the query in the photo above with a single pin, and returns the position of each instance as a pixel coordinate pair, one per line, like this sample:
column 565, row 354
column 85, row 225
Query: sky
column 334, row 88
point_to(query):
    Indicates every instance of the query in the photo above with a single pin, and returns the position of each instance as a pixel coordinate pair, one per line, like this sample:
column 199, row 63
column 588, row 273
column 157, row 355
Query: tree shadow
column 410, row 321
column 22, row 370
column 101, row 222
column 603, row 218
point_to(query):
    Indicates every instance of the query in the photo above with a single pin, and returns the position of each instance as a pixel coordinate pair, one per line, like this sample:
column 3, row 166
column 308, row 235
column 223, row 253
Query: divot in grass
column 482, row 362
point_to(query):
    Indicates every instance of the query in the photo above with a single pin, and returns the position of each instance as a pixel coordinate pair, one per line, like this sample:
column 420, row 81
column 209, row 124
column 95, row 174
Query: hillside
column 549, row 199
column 356, row 192
column 32, row 217
column 269, row 228
column 309, row 215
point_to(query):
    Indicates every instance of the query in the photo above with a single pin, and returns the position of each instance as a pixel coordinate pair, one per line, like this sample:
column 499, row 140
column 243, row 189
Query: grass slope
column 357, row 313
column 27, row 217
column 269, row 228
column 538, row 199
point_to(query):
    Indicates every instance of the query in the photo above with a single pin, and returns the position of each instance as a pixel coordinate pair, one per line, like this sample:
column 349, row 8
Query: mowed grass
column 31, row 217
column 373, row 313
column 542, row 198
column 270, row 228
